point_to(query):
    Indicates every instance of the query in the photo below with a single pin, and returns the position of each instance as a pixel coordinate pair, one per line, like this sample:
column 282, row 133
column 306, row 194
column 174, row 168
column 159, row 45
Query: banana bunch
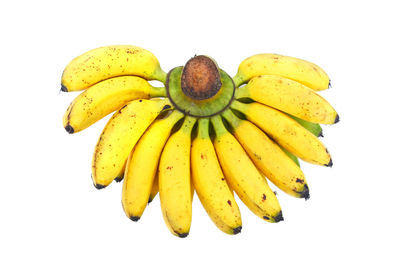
column 202, row 131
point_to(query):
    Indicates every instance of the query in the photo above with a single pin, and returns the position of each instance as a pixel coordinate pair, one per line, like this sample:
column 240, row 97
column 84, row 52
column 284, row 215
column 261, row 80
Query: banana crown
column 202, row 131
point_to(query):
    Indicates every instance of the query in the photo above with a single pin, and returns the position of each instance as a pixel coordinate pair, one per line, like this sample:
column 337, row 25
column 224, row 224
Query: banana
column 175, row 184
column 154, row 189
column 120, row 135
column 289, row 96
column 142, row 165
column 286, row 132
column 105, row 97
column 269, row 158
column 110, row 61
column 292, row 68
column 210, row 185
column 241, row 174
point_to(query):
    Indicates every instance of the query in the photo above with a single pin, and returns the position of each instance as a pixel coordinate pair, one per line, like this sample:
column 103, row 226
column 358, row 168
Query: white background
column 51, row 215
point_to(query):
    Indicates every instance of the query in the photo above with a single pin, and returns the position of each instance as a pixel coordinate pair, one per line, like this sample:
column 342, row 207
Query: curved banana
column 142, row 165
column 175, row 184
column 241, row 174
column 269, row 158
column 110, row 61
column 292, row 68
column 289, row 96
column 105, row 97
column 286, row 132
column 210, row 185
column 120, row 135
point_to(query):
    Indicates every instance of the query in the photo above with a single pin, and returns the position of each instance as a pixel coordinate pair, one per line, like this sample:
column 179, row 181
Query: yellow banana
column 269, row 158
column 292, row 68
column 210, row 185
column 120, row 135
column 154, row 189
column 241, row 174
column 142, row 165
column 110, row 61
column 105, row 97
column 286, row 132
column 289, row 96
column 175, row 184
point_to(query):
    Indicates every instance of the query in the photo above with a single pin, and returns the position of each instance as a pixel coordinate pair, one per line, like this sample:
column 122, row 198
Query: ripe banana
column 154, row 189
column 289, row 96
column 175, row 184
column 105, row 97
column 292, row 68
column 119, row 137
column 142, row 165
column 286, row 132
column 243, row 176
column 210, row 185
column 110, row 61
column 268, row 157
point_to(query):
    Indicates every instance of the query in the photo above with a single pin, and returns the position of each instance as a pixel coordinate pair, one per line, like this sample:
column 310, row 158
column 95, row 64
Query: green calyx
column 215, row 104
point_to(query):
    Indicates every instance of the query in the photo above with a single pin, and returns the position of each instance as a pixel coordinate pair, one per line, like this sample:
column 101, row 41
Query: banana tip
column 237, row 230
column 337, row 119
column 63, row 88
column 119, row 179
column 69, row 129
column 330, row 164
column 279, row 217
column 182, row 235
column 134, row 218
column 99, row 186
column 321, row 134
column 305, row 193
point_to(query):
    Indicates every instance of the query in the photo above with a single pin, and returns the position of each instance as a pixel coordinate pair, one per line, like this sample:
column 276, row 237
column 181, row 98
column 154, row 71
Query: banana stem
column 188, row 124
column 203, row 128
column 232, row 119
column 158, row 92
column 242, row 92
column 219, row 126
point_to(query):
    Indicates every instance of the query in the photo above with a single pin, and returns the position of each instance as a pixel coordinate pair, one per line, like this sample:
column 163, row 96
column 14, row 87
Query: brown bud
column 200, row 78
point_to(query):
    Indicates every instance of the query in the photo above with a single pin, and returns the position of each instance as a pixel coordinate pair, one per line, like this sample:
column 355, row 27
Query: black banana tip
column 119, row 179
column 321, row 134
column 337, row 119
column 134, row 218
column 330, row 164
column 99, row 186
column 150, row 200
column 330, row 84
column 237, row 230
column 305, row 193
column 183, row 235
column 69, row 129
column 279, row 217
column 63, row 88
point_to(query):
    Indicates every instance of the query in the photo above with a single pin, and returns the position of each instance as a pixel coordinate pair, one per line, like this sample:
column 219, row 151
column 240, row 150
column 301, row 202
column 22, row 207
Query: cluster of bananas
column 203, row 131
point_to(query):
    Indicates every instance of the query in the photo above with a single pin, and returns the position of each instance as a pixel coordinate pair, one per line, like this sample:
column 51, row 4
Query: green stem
column 203, row 128
column 219, row 126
